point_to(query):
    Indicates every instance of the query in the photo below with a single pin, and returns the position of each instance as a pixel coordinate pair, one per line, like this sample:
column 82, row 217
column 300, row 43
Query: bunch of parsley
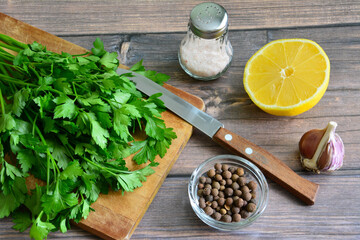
column 69, row 121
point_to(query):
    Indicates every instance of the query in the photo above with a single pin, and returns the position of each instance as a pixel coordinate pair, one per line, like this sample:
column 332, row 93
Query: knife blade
column 271, row 166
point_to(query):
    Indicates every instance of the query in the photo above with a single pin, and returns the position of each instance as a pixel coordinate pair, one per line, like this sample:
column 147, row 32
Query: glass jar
column 206, row 53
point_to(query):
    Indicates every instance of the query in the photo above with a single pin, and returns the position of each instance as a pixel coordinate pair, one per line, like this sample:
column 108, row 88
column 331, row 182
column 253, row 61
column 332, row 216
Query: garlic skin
column 322, row 150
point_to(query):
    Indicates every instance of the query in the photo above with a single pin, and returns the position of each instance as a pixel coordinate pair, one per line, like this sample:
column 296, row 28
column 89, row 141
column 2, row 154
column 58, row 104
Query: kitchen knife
column 271, row 166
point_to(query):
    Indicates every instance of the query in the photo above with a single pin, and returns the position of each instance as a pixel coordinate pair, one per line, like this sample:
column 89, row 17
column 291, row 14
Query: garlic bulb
column 322, row 150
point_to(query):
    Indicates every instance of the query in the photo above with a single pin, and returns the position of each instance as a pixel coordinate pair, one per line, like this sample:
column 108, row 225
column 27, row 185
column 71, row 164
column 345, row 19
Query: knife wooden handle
column 271, row 166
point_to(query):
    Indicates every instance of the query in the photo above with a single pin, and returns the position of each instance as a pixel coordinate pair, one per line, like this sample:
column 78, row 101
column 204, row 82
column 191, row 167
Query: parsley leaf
column 40, row 229
column 66, row 108
column 22, row 220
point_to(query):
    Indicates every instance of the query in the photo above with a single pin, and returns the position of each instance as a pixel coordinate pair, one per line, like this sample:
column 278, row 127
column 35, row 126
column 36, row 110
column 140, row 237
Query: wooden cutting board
column 115, row 216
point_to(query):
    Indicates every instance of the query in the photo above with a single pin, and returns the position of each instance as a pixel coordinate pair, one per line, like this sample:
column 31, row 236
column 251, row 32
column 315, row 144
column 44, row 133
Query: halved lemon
column 287, row 77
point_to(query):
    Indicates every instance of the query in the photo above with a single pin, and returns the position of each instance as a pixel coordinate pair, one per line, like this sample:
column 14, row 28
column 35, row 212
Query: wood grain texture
column 117, row 214
column 104, row 17
column 336, row 212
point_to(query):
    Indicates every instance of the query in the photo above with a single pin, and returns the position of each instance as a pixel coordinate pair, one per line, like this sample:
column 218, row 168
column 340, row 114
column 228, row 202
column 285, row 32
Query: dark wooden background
column 152, row 31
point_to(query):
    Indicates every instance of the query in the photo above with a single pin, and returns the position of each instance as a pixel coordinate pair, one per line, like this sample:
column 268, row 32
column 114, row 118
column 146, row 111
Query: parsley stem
column 13, row 48
column 47, row 173
column 11, row 41
column 2, row 68
column 56, row 168
column 35, row 72
column 94, row 163
column 87, row 90
column 76, row 96
column 5, row 56
column 34, row 124
column 2, row 103
column 16, row 81
column 10, row 65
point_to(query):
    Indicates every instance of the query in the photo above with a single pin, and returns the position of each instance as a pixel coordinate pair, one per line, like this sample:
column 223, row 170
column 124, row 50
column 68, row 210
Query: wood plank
column 336, row 212
column 117, row 214
column 170, row 216
column 105, row 17
column 333, row 214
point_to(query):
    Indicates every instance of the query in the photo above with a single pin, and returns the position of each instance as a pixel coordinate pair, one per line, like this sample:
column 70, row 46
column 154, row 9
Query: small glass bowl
column 251, row 173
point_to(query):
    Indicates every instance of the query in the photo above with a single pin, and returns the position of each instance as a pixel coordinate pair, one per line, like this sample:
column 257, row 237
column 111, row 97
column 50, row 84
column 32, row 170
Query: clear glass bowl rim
column 262, row 195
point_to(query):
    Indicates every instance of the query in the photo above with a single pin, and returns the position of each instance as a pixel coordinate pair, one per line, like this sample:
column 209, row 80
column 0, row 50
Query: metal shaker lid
column 208, row 20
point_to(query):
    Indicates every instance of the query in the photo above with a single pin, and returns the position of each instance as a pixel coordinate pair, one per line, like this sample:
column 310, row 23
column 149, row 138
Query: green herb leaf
column 66, row 108
column 22, row 220
column 40, row 229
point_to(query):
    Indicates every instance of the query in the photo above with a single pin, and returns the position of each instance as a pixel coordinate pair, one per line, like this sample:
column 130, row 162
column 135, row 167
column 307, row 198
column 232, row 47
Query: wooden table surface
column 152, row 31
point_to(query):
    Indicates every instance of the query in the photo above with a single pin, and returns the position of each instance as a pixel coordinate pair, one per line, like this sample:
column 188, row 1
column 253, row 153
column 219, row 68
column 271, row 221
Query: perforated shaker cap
column 208, row 20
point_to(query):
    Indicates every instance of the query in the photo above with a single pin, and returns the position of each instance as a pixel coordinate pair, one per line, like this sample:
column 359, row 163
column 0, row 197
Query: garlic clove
column 309, row 141
column 322, row 150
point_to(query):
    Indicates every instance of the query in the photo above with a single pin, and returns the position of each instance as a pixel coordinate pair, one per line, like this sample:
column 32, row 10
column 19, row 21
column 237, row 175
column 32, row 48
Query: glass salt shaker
column 206, row 53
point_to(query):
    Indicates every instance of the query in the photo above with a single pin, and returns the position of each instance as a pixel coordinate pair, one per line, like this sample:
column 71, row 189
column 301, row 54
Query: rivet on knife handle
column 271, row 166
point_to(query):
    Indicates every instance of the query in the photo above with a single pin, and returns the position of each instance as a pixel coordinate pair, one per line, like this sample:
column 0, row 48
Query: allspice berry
column 214, row 192
column 237, row 193
column 211, row 173
column 229, row 201
column 209, row 211
column 209, row 198
column 241, row 181
column 225, row 167
column 229, row 192
column 202, row 203
column 235, row 186
column 221, row 201
column 244, row 213
column 232, row 169
column 235, row 210
column 228, row 182
column 217, row 216
column 226, row 174
column 218, row 177
column 239, row 203
column 234, row 177
column 223, row 211
column 215, row 185
column 252, row 185
column 226, row 218
column 221, row 193
column 251, row 207
column 217, row 166
column 253, row 195
column 246, row 196
column 245, row 189
column 240, row 171
column 236, row 217
column 206, row 191
column 202, row 179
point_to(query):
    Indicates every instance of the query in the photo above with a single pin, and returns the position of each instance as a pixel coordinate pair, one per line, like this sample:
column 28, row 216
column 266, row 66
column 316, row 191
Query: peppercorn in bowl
column 228, row 192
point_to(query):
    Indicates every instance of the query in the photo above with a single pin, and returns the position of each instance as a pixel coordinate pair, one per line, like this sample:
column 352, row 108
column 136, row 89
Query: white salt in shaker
column 205, row 53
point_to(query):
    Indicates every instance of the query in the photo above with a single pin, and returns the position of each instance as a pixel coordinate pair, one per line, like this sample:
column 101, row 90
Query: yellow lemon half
column 288, row 76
